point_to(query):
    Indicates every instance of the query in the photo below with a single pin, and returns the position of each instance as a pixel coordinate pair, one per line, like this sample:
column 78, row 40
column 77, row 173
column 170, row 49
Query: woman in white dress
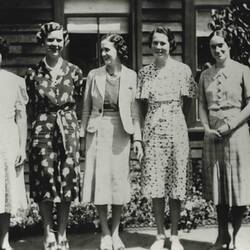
column 110, row 120
column 13, row 134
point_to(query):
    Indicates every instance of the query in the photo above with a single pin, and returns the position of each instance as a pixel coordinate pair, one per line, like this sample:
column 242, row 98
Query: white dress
column 13, row 97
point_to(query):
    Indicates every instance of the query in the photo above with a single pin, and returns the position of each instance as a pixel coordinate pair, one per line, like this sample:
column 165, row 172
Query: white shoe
column 106, row 243
column 175, row 243
column 159, row 242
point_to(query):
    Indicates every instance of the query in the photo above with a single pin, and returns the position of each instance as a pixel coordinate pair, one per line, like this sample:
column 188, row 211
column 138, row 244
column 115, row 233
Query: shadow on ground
column 132, row 240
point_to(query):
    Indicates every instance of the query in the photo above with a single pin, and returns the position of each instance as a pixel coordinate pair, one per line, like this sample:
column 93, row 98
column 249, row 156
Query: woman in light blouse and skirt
column 224, row 109
column 110, row 120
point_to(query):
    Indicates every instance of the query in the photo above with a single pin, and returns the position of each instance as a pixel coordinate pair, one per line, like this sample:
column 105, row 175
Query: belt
column 60, row 113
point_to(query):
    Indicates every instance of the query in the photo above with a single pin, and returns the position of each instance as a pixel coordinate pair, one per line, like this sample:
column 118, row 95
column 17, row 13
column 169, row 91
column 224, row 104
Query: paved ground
column 198, row 239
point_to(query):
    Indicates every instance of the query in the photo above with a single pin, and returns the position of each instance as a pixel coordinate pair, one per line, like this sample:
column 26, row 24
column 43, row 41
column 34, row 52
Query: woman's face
column 54, row 43
column 219, row 49
column 160, row 46
column 108, row 52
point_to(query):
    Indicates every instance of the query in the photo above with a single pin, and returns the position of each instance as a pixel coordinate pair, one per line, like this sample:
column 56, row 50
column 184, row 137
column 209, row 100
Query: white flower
column 45, row 163
column 47, row 195
column 69, row 161
column 64, row 97
column 51, row 93
column 49, row 125
column 52, row 156
column 41, row 92
column 44, row 84
column 68, row 194
column 35, row 142
column 66, row 82
column 51, row 171
column 68, row 116
column 43, row 151
column 38, row 129
column 43, row 117
column 65, row 172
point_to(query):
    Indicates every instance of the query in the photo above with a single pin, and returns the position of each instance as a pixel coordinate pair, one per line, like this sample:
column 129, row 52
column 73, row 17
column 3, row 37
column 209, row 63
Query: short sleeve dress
column 54, row 145
column 165, row 136
column 13, row 98
column 226, row 172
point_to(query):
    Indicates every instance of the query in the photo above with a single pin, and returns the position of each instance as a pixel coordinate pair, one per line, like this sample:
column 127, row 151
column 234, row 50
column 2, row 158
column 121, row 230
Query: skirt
column 12, row 186
column 106, row 177
column 226, row 163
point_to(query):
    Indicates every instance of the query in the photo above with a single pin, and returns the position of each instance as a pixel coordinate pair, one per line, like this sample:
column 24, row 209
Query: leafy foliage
column 236, row 20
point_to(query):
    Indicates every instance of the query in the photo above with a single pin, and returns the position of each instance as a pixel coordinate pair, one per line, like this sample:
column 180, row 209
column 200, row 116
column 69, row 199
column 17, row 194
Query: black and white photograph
column 124, row 124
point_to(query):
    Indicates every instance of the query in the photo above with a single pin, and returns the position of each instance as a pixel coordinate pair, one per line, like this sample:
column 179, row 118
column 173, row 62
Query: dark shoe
column 221, row 245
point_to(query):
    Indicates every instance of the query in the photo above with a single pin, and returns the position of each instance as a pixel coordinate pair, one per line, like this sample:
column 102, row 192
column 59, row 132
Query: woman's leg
column 237, row 213
column 62, row 219
column 46, row 209
column 116, row 218
column 175, row 210
column 102, row 211
column 222, row 217
column 158, row 210
column 4, row 230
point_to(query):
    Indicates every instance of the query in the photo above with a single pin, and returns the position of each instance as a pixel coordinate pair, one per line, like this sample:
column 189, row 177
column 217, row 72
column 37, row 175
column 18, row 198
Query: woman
column 224, row 109
column 110, row 119
column 163, row 86
column 53, row 86
column 13, row 134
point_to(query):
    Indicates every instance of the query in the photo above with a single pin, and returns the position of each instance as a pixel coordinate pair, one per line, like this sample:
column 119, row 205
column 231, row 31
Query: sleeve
column 87, row 104
column 201, row 96
column 142, row 91
column 22, row 96
column 32, row 105
column 78, row 82
column 246, row 82
column 188, row 86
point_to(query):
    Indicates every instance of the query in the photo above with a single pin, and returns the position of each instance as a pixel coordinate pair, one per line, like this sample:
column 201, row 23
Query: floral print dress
column 165, row 136
column 54, row 145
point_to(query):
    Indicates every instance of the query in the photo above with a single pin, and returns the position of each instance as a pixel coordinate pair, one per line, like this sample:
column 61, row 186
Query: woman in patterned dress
column 13, row 135
column 224, row 109
column 163, row 86
column 53, row 86
column 110, row 119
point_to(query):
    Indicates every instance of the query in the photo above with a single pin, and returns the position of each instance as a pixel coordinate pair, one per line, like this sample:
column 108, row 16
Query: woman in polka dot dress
column 53, row 86
column 164, row 85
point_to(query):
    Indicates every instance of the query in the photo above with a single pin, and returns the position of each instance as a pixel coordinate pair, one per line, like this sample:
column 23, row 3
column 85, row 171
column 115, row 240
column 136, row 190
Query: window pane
column 82, row 25
column 114, row 25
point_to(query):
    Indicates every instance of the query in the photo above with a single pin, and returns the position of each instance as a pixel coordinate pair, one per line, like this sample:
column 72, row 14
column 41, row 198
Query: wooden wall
column 168, row 13
column 19, row 22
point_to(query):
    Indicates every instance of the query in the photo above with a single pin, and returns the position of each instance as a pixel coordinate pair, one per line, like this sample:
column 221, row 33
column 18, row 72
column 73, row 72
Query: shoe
column 63, row 245
column 159, row 242
column 221, row 245
column 50, row 245
column 175, row 243
column 117, row 243
column 106, row 243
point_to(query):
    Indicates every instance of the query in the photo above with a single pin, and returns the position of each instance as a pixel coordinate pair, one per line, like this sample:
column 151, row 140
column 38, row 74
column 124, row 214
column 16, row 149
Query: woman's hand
column 21, row 157
column 213, row 134
column 82, row 146
column 224, row 130
column 137, row 148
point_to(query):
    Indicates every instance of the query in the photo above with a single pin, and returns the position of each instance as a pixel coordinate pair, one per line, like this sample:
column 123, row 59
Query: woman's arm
column 21, row 121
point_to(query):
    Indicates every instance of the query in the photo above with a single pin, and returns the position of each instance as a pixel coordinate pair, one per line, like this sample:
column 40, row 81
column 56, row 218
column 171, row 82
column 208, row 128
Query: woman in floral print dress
column 164, row 85
column 52, row 86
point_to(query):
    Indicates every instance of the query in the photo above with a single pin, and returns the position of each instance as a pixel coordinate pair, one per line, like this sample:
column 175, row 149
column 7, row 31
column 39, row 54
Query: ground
column 139, row 239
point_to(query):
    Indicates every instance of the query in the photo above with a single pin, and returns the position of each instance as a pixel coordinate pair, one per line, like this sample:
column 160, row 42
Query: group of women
column 117, row 107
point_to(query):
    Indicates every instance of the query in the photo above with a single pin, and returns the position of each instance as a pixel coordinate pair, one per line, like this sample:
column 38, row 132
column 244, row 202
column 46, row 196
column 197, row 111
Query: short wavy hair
column 119, row 44
column 167, row 32
column 49, row 27
column 224, row 34
column 4, row 46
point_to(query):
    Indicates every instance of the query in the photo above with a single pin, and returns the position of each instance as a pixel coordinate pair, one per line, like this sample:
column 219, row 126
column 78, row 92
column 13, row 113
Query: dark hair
column 4, row 47
column 166, row 31
column 224, row 34
column 49, row 27
column 119, row 44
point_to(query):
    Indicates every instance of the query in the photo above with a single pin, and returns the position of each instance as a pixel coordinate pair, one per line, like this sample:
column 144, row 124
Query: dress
column 13, row 98
column 226, row 162
column 54, row 145
column 165, row 137
column 106, row 179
